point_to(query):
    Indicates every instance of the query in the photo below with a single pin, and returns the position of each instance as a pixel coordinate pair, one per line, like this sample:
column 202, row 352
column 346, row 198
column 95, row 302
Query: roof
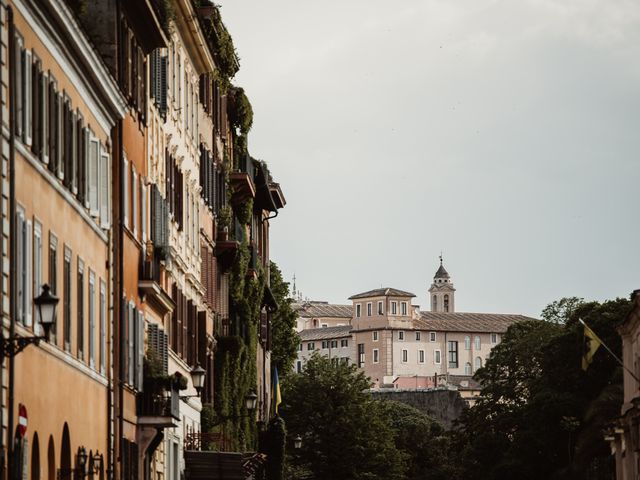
column 468, row 322
column 441, row 273
column 325, row 333
column 323, row 309
column 382, row 292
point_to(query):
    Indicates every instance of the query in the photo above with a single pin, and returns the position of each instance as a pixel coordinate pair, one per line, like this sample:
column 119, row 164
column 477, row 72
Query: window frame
column 375, row 356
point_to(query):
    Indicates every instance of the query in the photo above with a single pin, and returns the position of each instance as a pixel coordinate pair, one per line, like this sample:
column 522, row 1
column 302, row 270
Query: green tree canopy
column 284, row 339
column 345, row 433
column 540, row 415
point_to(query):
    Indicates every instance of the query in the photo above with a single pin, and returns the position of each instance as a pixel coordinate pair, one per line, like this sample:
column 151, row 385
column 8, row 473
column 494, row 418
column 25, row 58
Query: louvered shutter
column 162, row 92
column 105, row 186
column 20, row 260
column 94, row 155
column 86, row 147
column 164, row 352
column 131, row 344
column 140, row 352
column 28, row 292
column 44, row 118
column 74, row 152
column 60, row 141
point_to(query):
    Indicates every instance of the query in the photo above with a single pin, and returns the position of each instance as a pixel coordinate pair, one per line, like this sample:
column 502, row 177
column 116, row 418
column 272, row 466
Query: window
column 420, row 356
column 27, row 98
column 418, row 336
column 375, row 355
column 434, row 304
column 300, row 347
column 405, row 356
column 311, row 346
column 298, row 366
column 369, row 309
column 94, row 174
column 105, row 188
column 358, row 307
column 324, row 344
column 446, row 303
column 134, row 200
column 80, row 308
column 131, row 333
column 103, row 325
column 453, row 354
column 24, row 267
column 477, row 342
column 334, row 344
column 375, row 336
column 467, row 342
column 478, row 364
column 92, row 319
column 403, row 308
column 467, row 368
column 37, row 265
column 432, row 336
column 66, row 327
column 394, row 308
column 143, row 211
column 401, row 335
column 436, row 357
column 380, row 308
column 53, row 274
column 125, row 183
column 360, row 355
column 20, row 81
column 344, row 343
column 494, row 338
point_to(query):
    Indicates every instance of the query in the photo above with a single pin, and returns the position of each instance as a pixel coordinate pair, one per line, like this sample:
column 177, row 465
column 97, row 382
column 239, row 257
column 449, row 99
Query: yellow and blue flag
column 277, row 398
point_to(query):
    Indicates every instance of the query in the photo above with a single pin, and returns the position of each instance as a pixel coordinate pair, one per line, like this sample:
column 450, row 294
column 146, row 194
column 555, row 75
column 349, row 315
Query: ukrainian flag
column 277, row 398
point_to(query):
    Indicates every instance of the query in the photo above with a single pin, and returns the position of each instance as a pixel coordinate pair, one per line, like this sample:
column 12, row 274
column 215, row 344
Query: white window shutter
column 94, row 154
column 105, row 198
column 143, row 210
column 74, row 153
column 28, row 296
column 20, row 260
column 134, row 201
column 140, row 351
column 44, row 111
column 60, row 135
column 86, row 142
column 125, row 188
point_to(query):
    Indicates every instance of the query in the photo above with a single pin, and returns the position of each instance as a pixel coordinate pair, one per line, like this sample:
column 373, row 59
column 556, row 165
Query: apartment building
column 317, row 314
column 130, row 186
column 60, row 113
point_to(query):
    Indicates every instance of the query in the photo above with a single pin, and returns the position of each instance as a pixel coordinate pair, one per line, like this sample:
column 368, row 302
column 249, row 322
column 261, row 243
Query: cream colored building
column 392, row 340
column 624, row 435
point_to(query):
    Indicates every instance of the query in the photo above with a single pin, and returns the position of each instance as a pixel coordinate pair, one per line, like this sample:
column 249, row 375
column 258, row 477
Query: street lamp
column 250, row 401
column 197, row 377
column 46, row 304
column 297, row 442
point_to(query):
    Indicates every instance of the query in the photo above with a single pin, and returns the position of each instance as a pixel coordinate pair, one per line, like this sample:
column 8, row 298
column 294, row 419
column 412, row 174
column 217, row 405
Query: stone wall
column 443, row 405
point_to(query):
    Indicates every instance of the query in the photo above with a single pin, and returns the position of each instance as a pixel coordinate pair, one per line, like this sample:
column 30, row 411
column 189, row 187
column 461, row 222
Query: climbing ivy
column 236, row 374
column 222, row 48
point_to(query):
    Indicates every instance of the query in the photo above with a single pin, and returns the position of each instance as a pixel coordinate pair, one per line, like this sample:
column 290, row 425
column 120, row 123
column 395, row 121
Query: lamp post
column 45, row 304
column 297, row 442
column 197, row 378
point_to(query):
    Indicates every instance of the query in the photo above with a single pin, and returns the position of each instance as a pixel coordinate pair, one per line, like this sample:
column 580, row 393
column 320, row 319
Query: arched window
column 477, row 342
column 467, row 342
column 35, row 458
column 446, row 303
column 478, row 363
column 51, row 459
column 434, row 302
column 467, row 368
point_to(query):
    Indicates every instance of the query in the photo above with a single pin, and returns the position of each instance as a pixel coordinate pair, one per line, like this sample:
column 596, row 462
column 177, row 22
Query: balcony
column 158, row 408
column 149, row 285
column 242, row 180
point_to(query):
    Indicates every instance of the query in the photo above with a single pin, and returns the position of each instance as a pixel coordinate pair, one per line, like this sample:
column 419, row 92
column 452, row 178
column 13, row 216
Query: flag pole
column 612, row 354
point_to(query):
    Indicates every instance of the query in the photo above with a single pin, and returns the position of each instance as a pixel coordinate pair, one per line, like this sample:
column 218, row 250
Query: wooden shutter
column 140, row 351
column 94, row 155
column 44, row 118
column 53, row 135
column 60, row 140
column 105, row 184
column 28, row 97
column 74, row 152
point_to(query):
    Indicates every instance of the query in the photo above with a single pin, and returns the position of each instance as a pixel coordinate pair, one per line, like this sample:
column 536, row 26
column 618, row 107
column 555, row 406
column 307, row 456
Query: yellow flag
column 591, row 345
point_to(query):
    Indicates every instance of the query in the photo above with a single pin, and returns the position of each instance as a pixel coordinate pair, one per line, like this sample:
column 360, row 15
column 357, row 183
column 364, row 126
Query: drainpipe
column 12, row 236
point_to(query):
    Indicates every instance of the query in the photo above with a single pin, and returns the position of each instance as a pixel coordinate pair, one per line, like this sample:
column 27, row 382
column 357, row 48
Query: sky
column 504, row 134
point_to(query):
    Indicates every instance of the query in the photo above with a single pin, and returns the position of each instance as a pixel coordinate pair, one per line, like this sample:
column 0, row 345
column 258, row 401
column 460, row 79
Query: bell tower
column 442, row 293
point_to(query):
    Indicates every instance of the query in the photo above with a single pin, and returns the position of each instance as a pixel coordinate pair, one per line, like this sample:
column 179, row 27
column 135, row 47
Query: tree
column 284, row 339
column 345, row 432
column 561, row 310
column 421, row 438
column 540, row 415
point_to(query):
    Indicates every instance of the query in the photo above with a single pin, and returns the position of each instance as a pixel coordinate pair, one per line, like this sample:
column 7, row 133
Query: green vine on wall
column 236, row 374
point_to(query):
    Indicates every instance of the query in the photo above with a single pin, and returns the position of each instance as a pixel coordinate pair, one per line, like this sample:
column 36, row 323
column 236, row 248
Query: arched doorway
column 51, row 460
column 65, row 454
column 35, row 458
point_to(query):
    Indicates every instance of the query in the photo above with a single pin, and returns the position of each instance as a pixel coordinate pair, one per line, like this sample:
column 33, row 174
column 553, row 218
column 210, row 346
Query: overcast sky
column 504, row 133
